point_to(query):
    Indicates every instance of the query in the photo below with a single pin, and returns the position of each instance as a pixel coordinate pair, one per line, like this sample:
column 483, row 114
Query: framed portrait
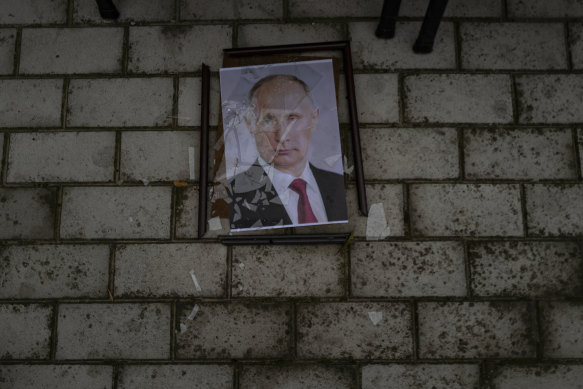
column 283, row 155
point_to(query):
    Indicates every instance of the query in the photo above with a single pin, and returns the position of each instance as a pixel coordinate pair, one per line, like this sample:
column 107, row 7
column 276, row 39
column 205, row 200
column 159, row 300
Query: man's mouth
column 284, row 151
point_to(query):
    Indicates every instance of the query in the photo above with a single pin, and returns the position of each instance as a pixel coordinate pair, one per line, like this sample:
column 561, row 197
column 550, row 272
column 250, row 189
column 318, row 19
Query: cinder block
column 158, row 155
column 554, row 209
column 535, row 46
column 576, row 44
column 346, row 330
column 187, row 212
column 528, row 269
column 116, row 213
column 561, row 323
column 110, row 331
column 397, row 153
column 71, row 50
column 549, row 98
column 49, row 271
column 231, row 9
column 161, row 270
column 377, row 96
column 189, row 101
column 476, row 330
column 120, row 102
column 456, row 8
column 295, row 271
column 33, row 11
column 545, row 9
column 536, row 376
column 531, row 154
column 7, row 47
column 173, row 49
column 31, row 103
column 370, row 52
column 176, row 376
column 56, row 376
column 300, row 376
column 391, row 198
column 458, row 98
column 25, row 331
column 258, row 330
column 282, row 34
column 386, row 269
column 86, row 12
column 61, row 157
column 334, row 9
column 27, row 213
column 421, row 376
column 461, row 209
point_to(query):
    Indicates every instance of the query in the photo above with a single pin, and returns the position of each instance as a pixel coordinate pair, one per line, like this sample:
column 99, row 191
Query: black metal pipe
column 386, row 27
column 426, row 38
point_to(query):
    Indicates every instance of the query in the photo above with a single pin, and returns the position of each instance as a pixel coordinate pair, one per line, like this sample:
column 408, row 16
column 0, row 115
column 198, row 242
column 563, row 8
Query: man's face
column 282, row 123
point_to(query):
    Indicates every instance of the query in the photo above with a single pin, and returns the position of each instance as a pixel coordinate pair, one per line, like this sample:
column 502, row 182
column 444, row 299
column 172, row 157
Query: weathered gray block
column 390, row 153
column 476, row 330
column 7, row 47
column 370, row 52
column 300, row 376
column 56, row 376
column 189, row 101
column 545, row 9
column 186, row 212
column 156, row 270
column 536, row 377
column 334, row 9
column 85, row 11
column 176, row 376
column 31, row 103
column 389, row 195
column 54, row 271
column 554, row 209
column 116, row 213
column 532, row 154
column 455, row 8
column 378, row 98
column 110, row 331
column 172, row 49
column 526, row 269
column 561, row 324
column 234, row 331
column 120, row 102
column 407, row 269
column 287, row 271
column 158, row 155
column 423, row 376
column 71, row 50
column 458, row 98
column 33, row 11
column 513, row 46
column 345, row 330
column 576, row 44
column 281, row 34
column 25, row 331
column 61, row 157
column 231, row 9
column 550, row 98
column 479, row 210
column 580, row 142
column 27, row 213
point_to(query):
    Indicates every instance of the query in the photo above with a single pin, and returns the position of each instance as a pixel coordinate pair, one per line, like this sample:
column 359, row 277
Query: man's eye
column 293, row 118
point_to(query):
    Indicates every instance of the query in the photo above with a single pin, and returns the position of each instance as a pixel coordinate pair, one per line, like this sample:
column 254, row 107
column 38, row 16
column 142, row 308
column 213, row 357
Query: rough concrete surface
column 467, row 271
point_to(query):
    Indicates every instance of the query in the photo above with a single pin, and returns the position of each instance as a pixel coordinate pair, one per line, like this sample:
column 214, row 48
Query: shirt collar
column 281, row 180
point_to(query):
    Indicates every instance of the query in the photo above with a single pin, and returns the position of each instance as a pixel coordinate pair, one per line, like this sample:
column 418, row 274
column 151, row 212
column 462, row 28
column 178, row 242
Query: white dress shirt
column 289, row 198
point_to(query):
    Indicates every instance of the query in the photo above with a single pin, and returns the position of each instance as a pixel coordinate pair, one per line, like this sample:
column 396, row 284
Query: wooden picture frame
column 332, row 238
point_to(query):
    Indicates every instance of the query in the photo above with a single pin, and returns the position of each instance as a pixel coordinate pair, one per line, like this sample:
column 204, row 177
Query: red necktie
column 305, row 213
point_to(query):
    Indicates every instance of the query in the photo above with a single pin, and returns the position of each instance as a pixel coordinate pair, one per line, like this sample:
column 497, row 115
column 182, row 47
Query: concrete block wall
column 474, row 151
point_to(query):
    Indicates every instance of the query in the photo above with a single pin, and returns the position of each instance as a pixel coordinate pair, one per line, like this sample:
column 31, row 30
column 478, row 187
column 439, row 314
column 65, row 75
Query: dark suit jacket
column 254, row 202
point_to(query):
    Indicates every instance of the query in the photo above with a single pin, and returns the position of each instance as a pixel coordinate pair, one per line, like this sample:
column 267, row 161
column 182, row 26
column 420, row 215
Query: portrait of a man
column 272, row 177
